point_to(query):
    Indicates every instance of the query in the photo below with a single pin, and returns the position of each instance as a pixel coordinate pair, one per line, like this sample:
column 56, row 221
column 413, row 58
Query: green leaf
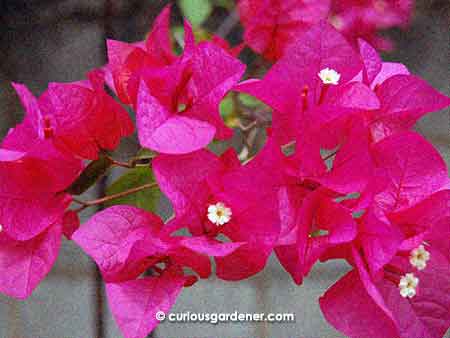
column 228, row 111
column 145, row 199
column 227, row 106
column 196, row 11
column 250, row 101
column 90, row 175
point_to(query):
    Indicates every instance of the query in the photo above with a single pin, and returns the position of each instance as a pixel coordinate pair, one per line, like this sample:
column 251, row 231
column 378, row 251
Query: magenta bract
column 23, row 264
column 126, row 241
column 271, row 25
column 202, row 180
column 353, row 301
column 178, row 105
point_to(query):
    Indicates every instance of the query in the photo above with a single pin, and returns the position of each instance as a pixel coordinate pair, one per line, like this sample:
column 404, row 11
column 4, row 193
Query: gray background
column 44, row 41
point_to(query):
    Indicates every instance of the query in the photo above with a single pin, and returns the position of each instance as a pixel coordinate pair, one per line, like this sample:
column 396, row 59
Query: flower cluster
column 272, row 25
column 341, row 176
column 39, row 159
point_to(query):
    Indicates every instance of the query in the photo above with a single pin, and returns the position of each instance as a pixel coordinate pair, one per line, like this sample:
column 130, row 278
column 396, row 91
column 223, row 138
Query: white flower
column 219, row 213
column 419, row 257
column 329, row 76
column 408, row 284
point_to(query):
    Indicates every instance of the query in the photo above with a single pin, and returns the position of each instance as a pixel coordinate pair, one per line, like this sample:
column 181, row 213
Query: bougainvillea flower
column 79, row 118
column 380, row 240
column 404, row 99
column 29, row 161
column 375, row 70
column 305, row 209
column 187, row 191
column 140, row 242
column 347, row 168
column 364, row 19
column 410, row 297
column 33, row 174
column 128, row 63
column 200, row 201
column 295, row 90
column 126, row 241
column 341, row 116
column 178, row 106
column 271, row 25
column 212, row 195
column 311, row 222
column 407, row 169
column 320, row 224
column 125, row 59
column 119, row 239
column 82, row 118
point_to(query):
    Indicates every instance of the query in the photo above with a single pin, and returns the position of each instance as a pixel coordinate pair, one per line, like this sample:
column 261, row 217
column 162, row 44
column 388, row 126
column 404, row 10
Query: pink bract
column 364, row 19
column 203, row 179
column 294, row 90
column 350, row 305
column 134, row 303
column 125, row 59
column 271, row 25
column 126, row 241
column 178, row 105
column 82, row 118
column 23, row 264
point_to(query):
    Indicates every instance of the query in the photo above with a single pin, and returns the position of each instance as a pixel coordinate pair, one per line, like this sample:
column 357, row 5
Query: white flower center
column 219, row 213
column 329, row 76
column 1, row 228
column 419, row 257
column 408, row 284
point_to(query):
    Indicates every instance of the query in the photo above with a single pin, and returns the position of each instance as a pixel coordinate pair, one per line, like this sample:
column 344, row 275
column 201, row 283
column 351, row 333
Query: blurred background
column 60, row 40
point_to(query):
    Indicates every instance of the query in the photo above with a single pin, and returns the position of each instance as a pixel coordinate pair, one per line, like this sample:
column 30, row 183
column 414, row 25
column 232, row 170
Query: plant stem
column 86, row 204
column 129, row 164
column 132, row 163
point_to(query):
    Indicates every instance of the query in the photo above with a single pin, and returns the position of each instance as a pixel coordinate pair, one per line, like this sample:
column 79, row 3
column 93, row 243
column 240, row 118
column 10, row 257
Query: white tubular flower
column 408, row 284
column 419, row 257
column 329, row 76
column 219, row 213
